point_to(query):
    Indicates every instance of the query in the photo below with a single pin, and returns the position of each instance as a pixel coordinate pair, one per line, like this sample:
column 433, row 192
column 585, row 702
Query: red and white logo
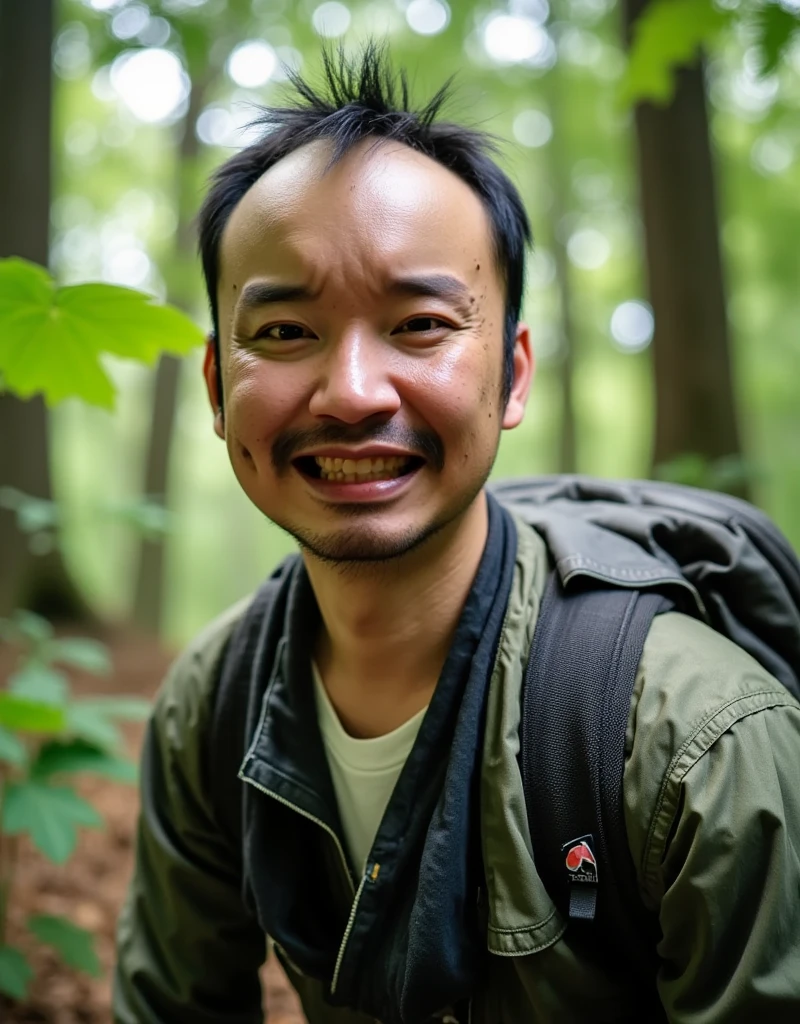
column 580, row 860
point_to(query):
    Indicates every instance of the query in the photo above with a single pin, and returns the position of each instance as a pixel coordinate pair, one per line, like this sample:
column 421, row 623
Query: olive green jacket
column 712, row 808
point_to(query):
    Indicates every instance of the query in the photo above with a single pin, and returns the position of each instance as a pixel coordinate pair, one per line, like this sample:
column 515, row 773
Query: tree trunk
column 40, row 583
column 695, row 403
column 148, row 602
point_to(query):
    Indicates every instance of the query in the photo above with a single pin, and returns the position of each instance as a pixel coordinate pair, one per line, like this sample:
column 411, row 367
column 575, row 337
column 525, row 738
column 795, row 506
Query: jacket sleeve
column 188, row 950
column 730, row 910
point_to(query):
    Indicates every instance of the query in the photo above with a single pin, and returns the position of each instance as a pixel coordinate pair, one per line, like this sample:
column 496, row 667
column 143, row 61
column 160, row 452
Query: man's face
column 361, row 319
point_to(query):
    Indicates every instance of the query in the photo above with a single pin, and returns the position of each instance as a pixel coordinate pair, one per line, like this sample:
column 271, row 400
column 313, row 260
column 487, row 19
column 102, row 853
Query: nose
column 356, row 382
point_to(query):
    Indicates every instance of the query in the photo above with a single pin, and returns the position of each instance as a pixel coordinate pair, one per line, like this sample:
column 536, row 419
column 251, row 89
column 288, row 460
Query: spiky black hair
column 362, row 97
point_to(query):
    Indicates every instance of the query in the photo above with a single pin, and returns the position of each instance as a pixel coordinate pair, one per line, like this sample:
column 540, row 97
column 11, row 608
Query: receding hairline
column 318, row 157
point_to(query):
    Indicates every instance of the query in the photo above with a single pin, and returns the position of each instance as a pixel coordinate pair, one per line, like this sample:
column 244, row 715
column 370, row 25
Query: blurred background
column 662, row 293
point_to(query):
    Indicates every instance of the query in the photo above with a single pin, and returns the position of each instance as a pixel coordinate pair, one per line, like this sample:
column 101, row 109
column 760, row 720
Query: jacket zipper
column 346, row 936
column 355, row 893
column 310, row 817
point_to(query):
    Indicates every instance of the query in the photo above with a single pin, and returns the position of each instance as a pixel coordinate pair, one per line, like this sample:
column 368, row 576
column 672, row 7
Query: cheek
column 260, row 398
column 460, row 389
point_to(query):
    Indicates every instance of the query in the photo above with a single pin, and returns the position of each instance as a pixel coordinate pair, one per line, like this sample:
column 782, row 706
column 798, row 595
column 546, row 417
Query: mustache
column 425, row 443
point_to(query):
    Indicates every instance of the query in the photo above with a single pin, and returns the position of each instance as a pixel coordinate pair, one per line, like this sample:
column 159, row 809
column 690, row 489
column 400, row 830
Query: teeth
column 359, row 470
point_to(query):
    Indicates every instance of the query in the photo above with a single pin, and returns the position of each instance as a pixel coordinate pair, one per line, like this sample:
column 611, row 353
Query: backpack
column 621, row 552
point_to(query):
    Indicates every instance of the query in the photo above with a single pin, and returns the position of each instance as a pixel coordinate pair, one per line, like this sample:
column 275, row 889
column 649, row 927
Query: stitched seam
column 529, row 952
column 523, row 928
column 780, row 700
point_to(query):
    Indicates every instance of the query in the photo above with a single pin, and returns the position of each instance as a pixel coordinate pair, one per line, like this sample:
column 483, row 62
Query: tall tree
column 696, row 410
column 149, row 593
column 40, row 583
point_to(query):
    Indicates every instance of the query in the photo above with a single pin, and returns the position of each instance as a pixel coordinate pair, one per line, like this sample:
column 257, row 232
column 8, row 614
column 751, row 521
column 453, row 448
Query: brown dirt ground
column 90, row 888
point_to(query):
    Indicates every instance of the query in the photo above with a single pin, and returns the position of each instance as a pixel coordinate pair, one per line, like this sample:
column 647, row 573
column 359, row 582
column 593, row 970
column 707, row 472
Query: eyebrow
column 265, row 293
column 434, row 286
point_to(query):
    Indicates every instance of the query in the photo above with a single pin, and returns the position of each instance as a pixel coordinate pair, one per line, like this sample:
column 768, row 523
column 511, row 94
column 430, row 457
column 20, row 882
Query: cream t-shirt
column 364, row 772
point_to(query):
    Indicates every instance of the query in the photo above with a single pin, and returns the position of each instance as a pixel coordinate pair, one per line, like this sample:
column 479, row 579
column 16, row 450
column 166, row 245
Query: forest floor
column 90, row 888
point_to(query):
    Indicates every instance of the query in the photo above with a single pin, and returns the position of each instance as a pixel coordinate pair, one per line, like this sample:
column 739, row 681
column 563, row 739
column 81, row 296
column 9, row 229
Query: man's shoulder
column 692, row 672
column 187, row 692
column 694, row 686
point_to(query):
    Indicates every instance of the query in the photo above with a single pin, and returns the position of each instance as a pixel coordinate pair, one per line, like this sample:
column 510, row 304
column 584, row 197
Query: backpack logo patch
column 580, row 860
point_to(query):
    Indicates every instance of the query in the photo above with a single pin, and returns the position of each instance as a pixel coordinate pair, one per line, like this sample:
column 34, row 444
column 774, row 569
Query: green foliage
column 51, row 338
column 776, row 28
column 59, row 757
column 22, row 715
column 47, row 737
column 73, row 944
column 15, row 972
column 726, row 474
column 668, row 35
column 49, row 814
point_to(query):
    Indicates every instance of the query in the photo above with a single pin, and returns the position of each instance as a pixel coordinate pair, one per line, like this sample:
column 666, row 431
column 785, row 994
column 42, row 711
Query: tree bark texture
column 40, row 583
column 696, row 411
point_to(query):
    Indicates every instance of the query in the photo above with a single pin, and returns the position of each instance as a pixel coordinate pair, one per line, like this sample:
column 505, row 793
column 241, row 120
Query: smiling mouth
column 357, row 471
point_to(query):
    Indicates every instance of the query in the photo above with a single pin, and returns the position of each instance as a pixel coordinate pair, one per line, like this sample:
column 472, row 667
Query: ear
column 212, row 385
column 523, row 375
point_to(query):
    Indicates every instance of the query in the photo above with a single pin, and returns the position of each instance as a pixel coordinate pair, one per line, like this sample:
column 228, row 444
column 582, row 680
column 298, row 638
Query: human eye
column 284, row 332
column 423, row 325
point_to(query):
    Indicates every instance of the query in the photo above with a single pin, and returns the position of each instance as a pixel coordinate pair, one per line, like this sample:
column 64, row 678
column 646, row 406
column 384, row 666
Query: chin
column 363, row 544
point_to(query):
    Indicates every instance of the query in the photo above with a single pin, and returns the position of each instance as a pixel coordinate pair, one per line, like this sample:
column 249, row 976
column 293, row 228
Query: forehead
column 381, row 209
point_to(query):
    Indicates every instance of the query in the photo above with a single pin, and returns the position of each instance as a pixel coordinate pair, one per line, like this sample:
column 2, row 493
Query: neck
column 387, row 628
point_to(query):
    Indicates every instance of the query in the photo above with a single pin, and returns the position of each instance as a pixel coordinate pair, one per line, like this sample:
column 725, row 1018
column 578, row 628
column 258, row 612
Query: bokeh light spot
column 532, row 128
column 151, row 83
column 588, row 248
column 251, row 64
column 331, row 19
column 514, row 39
column 632, row 325
column 428, row 17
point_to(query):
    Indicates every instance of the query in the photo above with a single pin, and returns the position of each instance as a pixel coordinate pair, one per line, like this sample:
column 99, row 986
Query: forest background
column 662, row 292
column 657, row 146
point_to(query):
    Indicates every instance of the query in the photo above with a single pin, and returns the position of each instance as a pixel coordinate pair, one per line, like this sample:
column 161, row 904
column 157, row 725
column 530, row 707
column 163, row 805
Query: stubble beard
column 358, row 546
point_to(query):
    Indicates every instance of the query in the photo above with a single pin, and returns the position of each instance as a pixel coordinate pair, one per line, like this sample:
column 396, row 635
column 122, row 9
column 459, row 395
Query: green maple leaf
column 51, row 338
column 667, row 36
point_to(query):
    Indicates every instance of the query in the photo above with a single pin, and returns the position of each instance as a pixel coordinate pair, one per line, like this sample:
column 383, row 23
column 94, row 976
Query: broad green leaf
column 20, row 714
column 87, row 722
column 74, row 945
column 15, row 972
column 25, row 625
column 82, row 652
column 666, row 36
column 776, row 27
column 12, row 749
column 51, row 338
column 150, row 518
column 59, row 756
column 41, row 684
column 35, row 514
column 32, row 513
column 93, row 718
column 50, row 815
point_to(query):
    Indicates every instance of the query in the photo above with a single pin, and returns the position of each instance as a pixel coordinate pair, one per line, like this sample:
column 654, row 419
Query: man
column 364, row 266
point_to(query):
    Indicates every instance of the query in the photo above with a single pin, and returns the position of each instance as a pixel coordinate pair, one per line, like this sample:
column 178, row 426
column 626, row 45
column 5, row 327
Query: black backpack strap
column 586, row 650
